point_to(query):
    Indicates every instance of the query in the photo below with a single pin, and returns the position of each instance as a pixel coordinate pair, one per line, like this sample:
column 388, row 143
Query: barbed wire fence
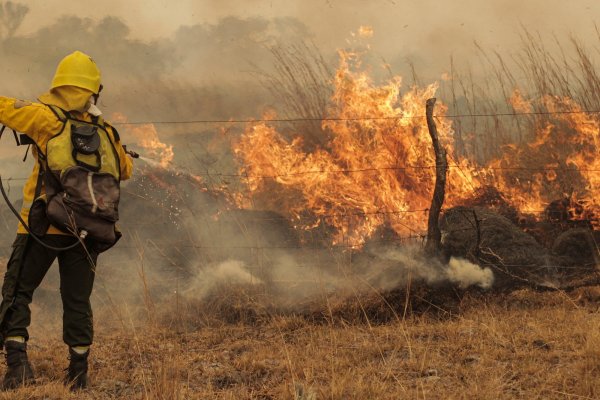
column 362, row 118
column 414, row 236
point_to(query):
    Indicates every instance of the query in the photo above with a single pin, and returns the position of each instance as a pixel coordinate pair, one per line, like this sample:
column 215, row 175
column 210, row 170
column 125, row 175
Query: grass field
column 523, row 344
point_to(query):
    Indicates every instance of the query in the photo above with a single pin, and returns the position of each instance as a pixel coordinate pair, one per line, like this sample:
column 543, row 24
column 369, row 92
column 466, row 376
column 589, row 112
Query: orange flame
column 377, row 168
column 147, row 137
column 519, row 103
column 560, row 162
column 365, row 31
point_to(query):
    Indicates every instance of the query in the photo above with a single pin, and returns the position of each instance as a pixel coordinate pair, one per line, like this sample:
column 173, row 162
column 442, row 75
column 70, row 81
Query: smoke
column 202, row 69
column 411, row 263
column 451, row 27
column 199, row 71
column 230, row 272
column 291, row 281
column 465, row 274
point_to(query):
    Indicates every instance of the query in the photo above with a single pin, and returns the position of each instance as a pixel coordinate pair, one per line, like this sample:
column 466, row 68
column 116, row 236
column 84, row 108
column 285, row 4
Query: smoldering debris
column 394, row 267
column 289, row 281
column 326, row 285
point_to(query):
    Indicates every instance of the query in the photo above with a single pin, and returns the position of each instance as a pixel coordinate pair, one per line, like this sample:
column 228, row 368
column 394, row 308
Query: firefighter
column 69, row 138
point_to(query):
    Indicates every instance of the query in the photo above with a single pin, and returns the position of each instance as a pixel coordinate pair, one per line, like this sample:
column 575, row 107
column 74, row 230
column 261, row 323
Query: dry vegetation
column 443, row 345
column 414, row 343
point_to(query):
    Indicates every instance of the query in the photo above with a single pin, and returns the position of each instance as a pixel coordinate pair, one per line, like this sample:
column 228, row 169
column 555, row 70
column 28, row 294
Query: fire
column 519, row 103
column 377, row 168
column 560, row 162
column 365, row 31
column 147, row 137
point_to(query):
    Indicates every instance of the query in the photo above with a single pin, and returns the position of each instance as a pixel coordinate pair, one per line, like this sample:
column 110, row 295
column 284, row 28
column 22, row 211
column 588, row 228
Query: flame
column 519, row 103
column 147, row 137
column 560, row 162
column 365, row 31
column 377, row 167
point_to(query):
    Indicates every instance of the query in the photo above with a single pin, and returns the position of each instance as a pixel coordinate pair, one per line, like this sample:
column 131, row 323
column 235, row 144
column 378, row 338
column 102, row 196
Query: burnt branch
column 434, row 235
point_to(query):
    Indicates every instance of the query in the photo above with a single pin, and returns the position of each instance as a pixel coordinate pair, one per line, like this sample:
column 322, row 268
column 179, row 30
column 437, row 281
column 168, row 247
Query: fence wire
column 217, row 174
column 419, row 236
column 351, row 119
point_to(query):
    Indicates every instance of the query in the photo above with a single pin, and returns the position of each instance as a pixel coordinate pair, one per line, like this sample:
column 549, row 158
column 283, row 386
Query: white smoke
column 410, row 263
column 230, row 272
column 465, row 274
column 292, row 280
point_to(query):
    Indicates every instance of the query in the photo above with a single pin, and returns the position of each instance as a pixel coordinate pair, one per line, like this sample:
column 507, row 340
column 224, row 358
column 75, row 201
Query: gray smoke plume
column 411, row 262
column 292, row 282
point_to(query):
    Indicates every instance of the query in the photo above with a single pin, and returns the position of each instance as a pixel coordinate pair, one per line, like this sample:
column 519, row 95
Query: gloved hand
column 132, row 153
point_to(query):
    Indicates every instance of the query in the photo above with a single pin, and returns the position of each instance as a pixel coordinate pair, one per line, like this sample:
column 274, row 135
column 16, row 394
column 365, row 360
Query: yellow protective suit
column 37, row 121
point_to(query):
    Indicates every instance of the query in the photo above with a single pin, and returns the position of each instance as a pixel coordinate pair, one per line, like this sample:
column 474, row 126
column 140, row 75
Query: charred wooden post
column 434, row 236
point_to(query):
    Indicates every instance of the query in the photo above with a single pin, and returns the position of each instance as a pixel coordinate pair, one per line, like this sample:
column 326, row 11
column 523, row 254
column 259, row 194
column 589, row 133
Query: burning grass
column 359, row 179
column 374, row 164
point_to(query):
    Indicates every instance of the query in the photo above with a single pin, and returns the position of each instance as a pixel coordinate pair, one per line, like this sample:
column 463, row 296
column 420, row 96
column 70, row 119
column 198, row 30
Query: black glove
column 132, row 153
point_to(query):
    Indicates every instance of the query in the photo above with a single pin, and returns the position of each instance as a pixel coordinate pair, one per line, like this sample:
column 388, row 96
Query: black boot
column 77, row 372
column 19, row 372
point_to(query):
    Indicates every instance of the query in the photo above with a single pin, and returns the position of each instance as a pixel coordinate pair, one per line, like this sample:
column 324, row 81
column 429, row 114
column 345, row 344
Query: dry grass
column 537, row 67
column 503, row 346
column 301, row 87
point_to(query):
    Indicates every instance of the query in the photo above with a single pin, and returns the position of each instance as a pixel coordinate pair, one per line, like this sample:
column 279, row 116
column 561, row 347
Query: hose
column 37, row 239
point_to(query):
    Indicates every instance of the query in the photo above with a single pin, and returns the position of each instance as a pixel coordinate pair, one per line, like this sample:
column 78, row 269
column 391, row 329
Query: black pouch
column 38, row 217
column 85, row 139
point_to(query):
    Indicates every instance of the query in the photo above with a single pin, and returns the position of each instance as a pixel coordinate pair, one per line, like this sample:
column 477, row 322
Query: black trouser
column 27, row 267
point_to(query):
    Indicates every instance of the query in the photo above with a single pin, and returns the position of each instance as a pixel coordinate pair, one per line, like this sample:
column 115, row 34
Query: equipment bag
column 81, row 175
column 87, row 206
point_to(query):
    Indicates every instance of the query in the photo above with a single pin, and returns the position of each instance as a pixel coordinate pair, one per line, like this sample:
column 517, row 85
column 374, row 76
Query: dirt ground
column 523, row 345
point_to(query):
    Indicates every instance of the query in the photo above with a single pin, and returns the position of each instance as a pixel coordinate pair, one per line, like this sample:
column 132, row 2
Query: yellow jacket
column 37, row 121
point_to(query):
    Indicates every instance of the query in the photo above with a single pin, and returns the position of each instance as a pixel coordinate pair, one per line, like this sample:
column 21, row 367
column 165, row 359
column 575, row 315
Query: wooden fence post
column 434, row 236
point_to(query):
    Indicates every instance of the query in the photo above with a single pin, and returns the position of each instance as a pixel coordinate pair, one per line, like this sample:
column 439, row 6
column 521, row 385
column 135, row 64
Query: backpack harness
column 80, row 171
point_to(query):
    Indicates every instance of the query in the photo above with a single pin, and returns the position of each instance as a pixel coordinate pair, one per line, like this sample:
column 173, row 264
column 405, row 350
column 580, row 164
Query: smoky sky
column 419, row 28
column 216, row 42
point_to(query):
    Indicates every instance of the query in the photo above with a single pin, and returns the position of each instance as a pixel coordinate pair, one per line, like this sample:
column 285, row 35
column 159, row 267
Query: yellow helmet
column 77, row 69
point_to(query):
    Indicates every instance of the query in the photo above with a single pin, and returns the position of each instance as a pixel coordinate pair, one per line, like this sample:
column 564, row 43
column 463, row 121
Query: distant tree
column 11, row 17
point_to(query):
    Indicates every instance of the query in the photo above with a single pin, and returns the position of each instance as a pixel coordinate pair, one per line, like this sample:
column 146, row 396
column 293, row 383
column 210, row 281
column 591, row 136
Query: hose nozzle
column 132, row 153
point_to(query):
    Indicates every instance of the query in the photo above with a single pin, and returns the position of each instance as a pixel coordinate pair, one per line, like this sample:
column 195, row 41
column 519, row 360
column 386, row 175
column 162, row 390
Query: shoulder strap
column 42, row 169
column 114, row 130
column 61, row 114
column 40, row 180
